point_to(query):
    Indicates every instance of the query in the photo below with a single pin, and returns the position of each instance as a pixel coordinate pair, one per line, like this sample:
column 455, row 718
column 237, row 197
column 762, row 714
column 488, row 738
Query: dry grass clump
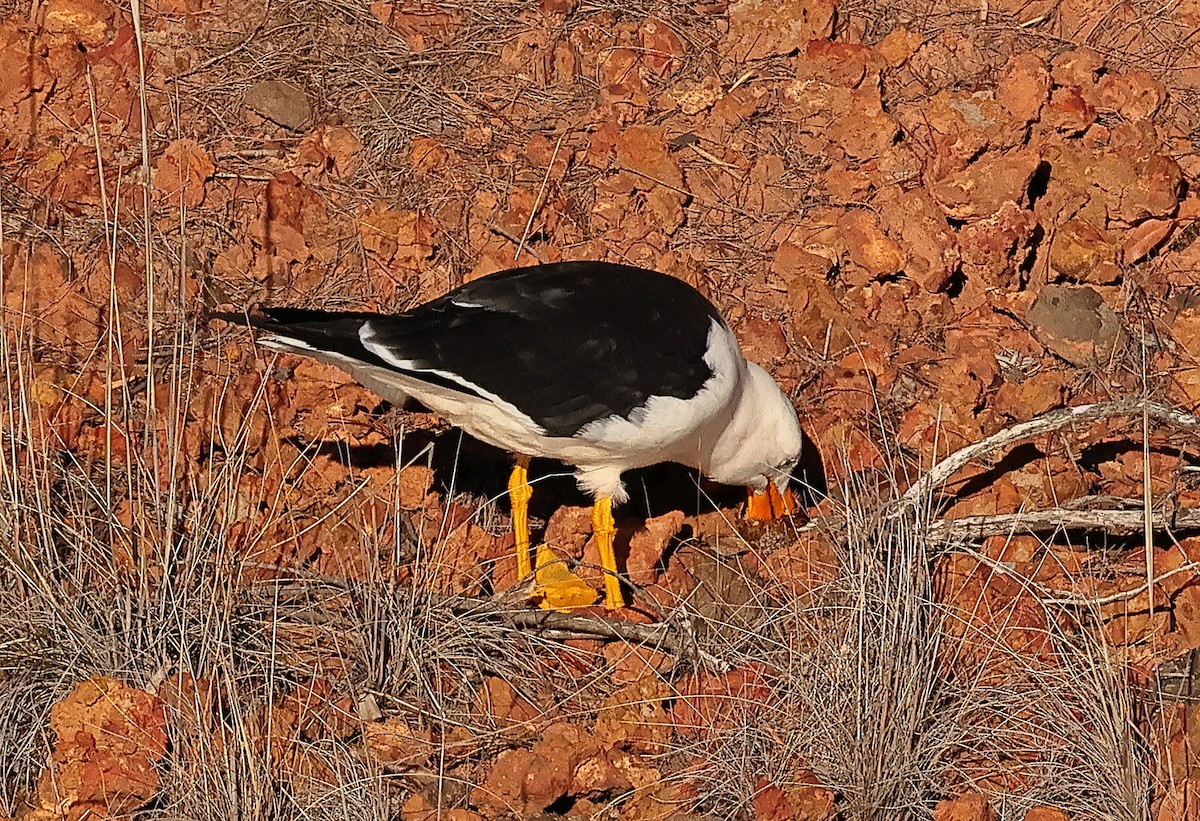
column 867, row 694
column 159, row 599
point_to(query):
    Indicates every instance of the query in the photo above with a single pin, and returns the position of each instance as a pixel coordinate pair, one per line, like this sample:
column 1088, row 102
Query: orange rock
column 969, row 807
column 1033, row 395
column 426, row 154
column 1078, row 67
column 914, row 219
column 990, row 610
column 985, row 185
column 1143, row 238
column 643, row 149
column 603, row 772
column 805, row 566
column 868, row 247
column 395, row 239
column 993, row 248
column 771, row 803
column 621, row 78
column 1181, row 802
column 422, row 25
column 647, row 545
column 805, row 799
column 1046, row 814
column 844, row 186
column 898, row 46
column 633, row 662
column 416, row 482
column 394, row 742
column 633, row 718
column 837, row 63
column 798, row 267
column 536, row 778
column 663, row 49
column 503, row 789
column 768, row 28
column 863, row 130
column 499, row 701
column 320, row 712
column 710, row 702
column 1135, row 95
column 1185, row 387
column 1068, row 111
column 1084, row 253
column 659, row 801
column 461, row 550
column 810, row 799
column 109, row 737
column 1024, row 86
column 1159, row 188
column 180, row 174
column 90, row 21
column 567, row 533
column 694, row 97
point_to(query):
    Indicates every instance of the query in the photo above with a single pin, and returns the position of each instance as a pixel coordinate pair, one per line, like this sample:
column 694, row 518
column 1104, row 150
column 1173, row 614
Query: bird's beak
column 769, row 503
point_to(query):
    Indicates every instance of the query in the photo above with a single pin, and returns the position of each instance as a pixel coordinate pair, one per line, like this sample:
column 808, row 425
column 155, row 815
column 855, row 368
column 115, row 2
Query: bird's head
column 761, row 447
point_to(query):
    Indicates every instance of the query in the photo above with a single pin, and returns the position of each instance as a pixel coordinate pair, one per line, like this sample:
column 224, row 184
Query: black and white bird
column 605, row 367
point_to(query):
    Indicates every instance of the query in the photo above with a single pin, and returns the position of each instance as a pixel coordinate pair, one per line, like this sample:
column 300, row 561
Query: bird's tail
column 306, row 331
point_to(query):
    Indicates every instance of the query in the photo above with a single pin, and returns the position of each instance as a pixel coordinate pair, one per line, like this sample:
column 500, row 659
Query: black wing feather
column 566, row 343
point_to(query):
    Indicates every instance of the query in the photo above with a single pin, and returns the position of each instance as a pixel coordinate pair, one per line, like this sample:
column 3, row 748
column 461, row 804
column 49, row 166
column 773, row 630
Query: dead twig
column 940, row 473
column 1121, row 522
column 1068, row 600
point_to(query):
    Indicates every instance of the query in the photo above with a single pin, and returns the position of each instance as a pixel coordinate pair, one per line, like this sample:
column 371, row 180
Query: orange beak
column 770, row 503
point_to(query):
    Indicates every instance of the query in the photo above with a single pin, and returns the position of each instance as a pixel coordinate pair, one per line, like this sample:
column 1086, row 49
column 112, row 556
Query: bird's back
column 566, row 343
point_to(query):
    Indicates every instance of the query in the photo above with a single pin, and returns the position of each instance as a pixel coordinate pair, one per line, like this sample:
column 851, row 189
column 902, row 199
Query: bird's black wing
column 566, row 344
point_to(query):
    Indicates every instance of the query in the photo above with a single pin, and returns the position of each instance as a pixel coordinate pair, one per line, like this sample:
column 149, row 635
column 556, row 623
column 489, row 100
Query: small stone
column 1083, row 253
column 1144, row 237
column 1068, row 111
column 1074, row 323
column 969, row 807
column 983, row 187
column 867, row 245
column 1135, row 95
column 89, row 21
column 769, row 28
column 648, row 544
column 280, row 102
column 898, row 46
column 1024, row 87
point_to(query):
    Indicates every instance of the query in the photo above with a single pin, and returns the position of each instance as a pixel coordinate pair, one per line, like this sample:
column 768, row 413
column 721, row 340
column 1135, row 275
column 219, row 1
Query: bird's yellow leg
column 519, row 494
column 605, row 530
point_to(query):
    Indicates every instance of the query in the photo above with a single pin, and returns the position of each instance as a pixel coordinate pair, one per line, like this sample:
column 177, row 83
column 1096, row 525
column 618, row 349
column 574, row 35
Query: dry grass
column 866, row 697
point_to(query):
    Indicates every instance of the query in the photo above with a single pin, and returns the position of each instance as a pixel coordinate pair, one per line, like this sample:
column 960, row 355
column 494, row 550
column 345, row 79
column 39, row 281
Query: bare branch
column 673, row 636
column 1046, row 423
column 1120, row 522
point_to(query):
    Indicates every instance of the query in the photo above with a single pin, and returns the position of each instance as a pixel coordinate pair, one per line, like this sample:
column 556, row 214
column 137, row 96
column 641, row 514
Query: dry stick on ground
column 1121, row 522
column 674, row 636
column 1037, row 521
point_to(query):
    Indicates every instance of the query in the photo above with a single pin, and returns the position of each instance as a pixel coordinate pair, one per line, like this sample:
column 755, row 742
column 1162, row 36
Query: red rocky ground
column 928, row 224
